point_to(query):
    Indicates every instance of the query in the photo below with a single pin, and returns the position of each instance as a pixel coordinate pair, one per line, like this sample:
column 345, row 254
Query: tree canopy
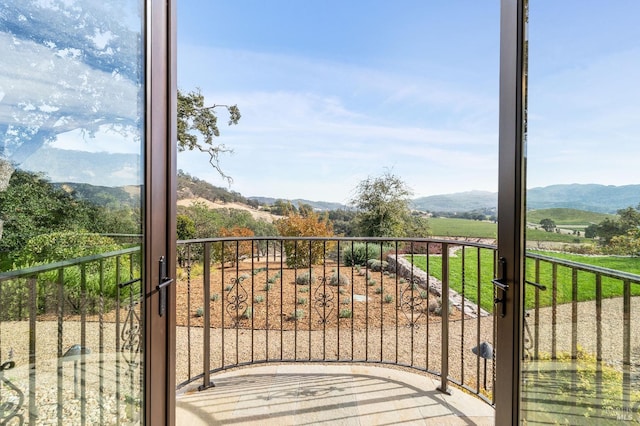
column 194, row 119
column 383, row 206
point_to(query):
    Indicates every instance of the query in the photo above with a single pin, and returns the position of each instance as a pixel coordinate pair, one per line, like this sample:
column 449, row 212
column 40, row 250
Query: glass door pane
column 581, row 339
column 72, row 96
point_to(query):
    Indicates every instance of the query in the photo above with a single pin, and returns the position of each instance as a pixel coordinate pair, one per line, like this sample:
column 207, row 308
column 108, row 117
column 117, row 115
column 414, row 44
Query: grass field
column 540, row 235
column 447, row 227
column 466, row 279
column 567, row 216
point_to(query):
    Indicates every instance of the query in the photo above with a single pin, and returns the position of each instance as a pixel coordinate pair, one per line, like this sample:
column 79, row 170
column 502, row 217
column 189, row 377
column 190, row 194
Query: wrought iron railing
column 581, row 339
column 245, row 301
column 70, row 341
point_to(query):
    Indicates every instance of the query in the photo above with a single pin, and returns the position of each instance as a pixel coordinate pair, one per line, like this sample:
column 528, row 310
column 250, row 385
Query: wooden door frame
column 511, row 209
column 159, row 210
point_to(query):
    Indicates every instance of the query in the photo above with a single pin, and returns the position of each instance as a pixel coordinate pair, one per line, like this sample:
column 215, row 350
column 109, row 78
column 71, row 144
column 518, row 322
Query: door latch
column 502, row 285
column 163, row 283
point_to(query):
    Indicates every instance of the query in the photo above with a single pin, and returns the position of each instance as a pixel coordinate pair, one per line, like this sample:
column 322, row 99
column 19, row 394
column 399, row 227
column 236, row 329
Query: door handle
column 502, row 286
column 164, row 282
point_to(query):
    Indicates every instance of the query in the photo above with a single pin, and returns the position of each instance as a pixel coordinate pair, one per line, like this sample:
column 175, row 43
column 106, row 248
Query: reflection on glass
column 581, row 342
column 71, row 127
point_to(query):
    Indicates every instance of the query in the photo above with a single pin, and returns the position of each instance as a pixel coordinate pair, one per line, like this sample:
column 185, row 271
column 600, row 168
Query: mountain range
column 588, row 197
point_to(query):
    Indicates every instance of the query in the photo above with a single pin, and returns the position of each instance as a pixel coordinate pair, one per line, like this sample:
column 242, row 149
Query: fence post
column 444, row 299
column 206, row 329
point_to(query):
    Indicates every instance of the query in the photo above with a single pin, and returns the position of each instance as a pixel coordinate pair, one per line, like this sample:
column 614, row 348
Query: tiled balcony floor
column 305, row 394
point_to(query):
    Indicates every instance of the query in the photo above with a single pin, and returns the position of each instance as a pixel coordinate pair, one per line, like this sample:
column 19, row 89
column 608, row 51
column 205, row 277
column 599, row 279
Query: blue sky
column 333, row 92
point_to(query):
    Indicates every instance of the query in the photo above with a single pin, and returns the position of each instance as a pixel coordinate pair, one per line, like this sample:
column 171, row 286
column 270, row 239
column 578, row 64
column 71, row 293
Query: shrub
column 200, row 312
column 371, row 282
column 231, row 251
column 436, row 307
column 345, row 301
column 304, row 289
column 388, row 298
column 305, row 278
column 248, row 313
column 215, row 297
column 301, row 254
column 301, row 301
column 258, row 270
column 258, row 299
column 345, row 313
column 376, row 265
column 359, row 253
column 267, row 286
column 81, row 292
column 339, row 279
column 228, row 287
column 296, row 315
column 379, row 290
column 424, row 294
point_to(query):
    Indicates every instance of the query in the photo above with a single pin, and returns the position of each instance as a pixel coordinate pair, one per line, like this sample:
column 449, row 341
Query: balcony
column 295, row 330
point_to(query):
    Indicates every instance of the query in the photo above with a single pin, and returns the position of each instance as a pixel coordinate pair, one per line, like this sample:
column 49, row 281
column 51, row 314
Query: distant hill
column 105, row 196
column 589, row 197
column 317, row 205
column 457, row 203
column 566, row 216
column 190, row 187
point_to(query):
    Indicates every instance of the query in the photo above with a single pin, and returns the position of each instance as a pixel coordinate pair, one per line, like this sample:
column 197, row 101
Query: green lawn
column 567, row 216
column 447, row 227
column 586, row 281
column 540, row 235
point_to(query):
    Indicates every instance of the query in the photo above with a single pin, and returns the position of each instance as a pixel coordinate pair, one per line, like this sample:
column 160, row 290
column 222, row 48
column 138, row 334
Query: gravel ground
column 418, row 346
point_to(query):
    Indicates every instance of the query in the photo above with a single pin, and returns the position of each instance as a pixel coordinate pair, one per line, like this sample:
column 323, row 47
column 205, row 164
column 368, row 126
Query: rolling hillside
column 566, row 216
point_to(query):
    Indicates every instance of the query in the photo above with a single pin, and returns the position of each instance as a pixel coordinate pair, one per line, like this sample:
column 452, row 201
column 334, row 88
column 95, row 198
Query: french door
column 567, row 341
column 86, row 238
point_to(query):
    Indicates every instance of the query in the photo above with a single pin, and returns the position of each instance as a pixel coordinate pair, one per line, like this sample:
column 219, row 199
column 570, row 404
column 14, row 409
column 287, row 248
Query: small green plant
column 305, row 278
column 388, row 298
column 371, row 282
column 377, row 265
column 215, row 297
column 436, row 307
column 342, row 291
column 200, row 312
column 358, row 268
column 402, row 281
column 228, row 287
column 248, row 313
column 304, row 289
column 258, row 270
column 345, row 313
column 258, row 299
column 272, row 279
column 346, row 301
column 424, row 294
column 379, row 290
column 339, row 279
column 296, row 315
column 267, row 286
column 301, row 301
column 386, row 273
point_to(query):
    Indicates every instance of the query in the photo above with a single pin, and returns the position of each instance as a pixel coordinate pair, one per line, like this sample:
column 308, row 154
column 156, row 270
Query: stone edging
column 406, row 270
